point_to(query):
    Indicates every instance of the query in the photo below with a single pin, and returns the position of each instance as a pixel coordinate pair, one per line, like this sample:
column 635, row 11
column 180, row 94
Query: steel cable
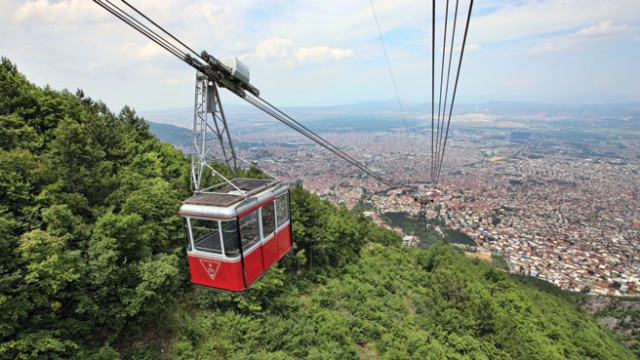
column 433, row 67
column 446, row 91
column 143, row 29
column 393, row 79
column 252, row 99
column 287, row 120
column 455, row 87
column 444, row 44
column 161, row 28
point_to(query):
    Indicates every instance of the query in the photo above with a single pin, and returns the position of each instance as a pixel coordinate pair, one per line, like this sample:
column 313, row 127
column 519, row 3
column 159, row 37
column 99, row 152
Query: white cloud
column 471, row 47
column 61, row 12
column 543, row 48
column 339, row 23
column 147, row 51
column 273, row 47
column 321, row 53
column 216, row 15
column 75, row 43
column 468, row 47
column 602, row 29
column 532, row 18
column 175, row 80
column 282, row 49
column 214, row 20
column 517, row 83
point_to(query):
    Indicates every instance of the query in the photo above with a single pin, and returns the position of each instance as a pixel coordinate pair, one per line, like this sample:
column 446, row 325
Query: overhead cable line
column 393, row 79
column 249, row 96
column 444, row 44
column 446, row 91
column 438, row 133
column 161, row 28
column 455, row 87
column 433, row 67
column 143, row 29
column 289, row 121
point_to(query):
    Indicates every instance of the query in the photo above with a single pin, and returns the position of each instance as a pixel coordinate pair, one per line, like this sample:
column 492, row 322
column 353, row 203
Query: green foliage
column 622, row 314
column 362, row 205
column 401, row 219
column 499, row 262
column 91, row 245
column 393, row 303
column 330, row 237
column 458, row 237
column 92, row 263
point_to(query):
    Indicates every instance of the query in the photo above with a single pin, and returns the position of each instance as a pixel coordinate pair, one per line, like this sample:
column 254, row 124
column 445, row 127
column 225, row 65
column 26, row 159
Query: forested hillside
column 91, row 243
column 393, row 303
column 92, row 264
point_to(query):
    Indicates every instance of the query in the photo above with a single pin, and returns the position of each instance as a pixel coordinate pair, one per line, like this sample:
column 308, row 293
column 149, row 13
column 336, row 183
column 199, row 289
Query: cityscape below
column 554, row 190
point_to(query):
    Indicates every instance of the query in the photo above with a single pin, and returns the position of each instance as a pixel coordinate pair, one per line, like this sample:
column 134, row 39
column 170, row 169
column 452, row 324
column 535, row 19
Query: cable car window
column 249, row 229
column 186, row 231
column 268, row 213
column 230, row 238
column 282, row 208
column 206, row 235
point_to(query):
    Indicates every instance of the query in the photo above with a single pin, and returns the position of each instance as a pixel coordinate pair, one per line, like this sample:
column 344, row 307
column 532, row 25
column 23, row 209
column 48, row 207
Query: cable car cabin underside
column 234, row 238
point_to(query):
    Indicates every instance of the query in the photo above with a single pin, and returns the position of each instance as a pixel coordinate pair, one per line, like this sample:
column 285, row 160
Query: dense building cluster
column 563, row 210
column 571, row 221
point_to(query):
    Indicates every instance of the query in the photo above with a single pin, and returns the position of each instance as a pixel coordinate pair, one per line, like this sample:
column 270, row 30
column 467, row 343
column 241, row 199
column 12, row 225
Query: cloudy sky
column 328, row 52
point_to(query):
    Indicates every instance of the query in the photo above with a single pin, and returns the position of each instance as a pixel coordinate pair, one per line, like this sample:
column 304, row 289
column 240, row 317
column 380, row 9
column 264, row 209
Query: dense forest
column 93, row 266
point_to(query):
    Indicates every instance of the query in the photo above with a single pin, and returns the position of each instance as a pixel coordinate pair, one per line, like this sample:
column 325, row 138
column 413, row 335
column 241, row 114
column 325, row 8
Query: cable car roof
column 228, row 203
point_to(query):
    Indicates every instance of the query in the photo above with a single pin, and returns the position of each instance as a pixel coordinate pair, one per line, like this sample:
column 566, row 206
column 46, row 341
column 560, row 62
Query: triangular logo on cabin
column 211, row 267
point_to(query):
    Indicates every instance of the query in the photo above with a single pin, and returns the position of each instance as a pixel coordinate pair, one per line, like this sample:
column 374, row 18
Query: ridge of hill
column 179, row 138
column 392, row 303
column 92, row 264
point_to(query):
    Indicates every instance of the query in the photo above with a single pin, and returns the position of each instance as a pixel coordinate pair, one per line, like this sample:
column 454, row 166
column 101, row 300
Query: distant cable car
column 234, row 239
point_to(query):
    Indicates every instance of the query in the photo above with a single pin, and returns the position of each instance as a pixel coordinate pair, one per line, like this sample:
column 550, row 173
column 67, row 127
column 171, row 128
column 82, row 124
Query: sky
column 307, row 52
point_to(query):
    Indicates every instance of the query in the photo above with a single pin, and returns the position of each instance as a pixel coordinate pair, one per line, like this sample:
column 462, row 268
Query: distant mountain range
column 174, row 125
column 245, row 114
column 179, row 137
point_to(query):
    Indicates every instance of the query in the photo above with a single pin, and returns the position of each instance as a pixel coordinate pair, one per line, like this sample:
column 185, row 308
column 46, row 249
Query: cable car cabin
column 234, row 239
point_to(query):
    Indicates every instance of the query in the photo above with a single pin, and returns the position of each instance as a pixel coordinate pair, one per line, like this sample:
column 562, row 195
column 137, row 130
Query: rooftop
column 229, row 195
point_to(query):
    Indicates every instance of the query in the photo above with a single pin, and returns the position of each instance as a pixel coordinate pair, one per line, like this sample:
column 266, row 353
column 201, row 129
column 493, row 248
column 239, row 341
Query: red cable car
column 234, row 238
column 237, row 233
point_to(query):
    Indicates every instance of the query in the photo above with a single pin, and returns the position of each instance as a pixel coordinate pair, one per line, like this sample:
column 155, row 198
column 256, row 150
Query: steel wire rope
column 444, row 44
column 433, row 67
column 446, row 91
column 307, row 130
column 334, row 151
column 261, row 104
column 319, row 140
column 455, row 87
column 143, row 29
column 161, row 28
column 136, row 24
column 287, row 120
column 393, row 79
